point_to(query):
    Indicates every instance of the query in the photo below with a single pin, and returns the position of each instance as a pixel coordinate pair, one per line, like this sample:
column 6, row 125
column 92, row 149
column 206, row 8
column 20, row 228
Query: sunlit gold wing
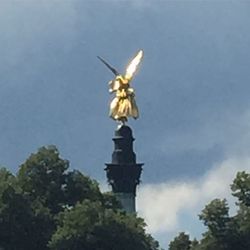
column 133, row 65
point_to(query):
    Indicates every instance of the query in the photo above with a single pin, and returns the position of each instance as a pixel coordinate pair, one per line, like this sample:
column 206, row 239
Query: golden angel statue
column 123, row 105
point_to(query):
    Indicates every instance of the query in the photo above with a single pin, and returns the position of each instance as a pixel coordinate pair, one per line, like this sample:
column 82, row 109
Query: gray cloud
column 191, row 88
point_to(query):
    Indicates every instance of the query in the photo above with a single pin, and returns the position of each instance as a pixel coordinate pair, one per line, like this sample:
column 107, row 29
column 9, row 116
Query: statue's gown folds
column 123, row 105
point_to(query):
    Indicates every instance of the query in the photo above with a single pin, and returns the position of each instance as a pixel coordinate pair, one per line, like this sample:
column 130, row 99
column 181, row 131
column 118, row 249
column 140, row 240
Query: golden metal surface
column 124, row 105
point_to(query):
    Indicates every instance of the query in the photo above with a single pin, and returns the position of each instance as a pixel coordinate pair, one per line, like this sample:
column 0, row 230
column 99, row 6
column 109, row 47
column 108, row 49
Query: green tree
column 180, row 242
column 46, row 206
column 215, row 216
column 194, row 244
column 222, row 230
column 6, row 180
column 89, row 225
column 78, row 187
column 19, row 229
column 241, row 190
column 42, row 177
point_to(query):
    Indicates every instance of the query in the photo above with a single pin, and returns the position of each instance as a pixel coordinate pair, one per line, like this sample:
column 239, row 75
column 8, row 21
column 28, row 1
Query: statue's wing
column 110, row 67
column 133, row 65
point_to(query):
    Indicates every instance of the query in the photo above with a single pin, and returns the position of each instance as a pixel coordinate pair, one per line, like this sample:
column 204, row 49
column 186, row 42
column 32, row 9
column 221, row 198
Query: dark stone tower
column 123, row 172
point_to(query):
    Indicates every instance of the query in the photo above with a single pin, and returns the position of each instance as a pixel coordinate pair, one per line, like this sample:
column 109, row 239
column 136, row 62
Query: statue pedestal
column 123, row 173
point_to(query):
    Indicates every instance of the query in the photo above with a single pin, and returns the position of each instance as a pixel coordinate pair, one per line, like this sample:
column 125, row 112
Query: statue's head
column 122, row 79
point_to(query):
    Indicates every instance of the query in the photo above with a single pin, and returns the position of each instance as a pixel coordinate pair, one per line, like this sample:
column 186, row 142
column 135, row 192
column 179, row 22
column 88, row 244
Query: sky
column 192, row 90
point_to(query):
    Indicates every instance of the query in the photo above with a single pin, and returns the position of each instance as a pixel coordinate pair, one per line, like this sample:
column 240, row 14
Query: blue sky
column 192, row 91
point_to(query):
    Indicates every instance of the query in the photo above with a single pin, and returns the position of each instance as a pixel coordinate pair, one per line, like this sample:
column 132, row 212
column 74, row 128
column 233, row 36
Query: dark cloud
column 194, row 76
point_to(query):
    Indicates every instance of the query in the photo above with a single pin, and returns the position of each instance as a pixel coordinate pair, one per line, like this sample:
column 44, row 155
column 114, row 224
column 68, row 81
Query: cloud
column 229, row 129
column 163, row 205
column 29, row 28
column 134, row 3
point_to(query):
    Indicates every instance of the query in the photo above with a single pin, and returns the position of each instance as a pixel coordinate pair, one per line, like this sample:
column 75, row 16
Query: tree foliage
column 89, row 225
column 224, row 232
column 180, row 242
column 42, row 177
column 46, row 206
column 241, row 188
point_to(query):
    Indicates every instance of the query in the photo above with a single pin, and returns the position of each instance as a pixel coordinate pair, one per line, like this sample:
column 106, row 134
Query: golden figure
column 123, row 105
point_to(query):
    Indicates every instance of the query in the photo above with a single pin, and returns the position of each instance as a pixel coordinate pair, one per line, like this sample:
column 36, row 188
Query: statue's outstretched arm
column 113, row 86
